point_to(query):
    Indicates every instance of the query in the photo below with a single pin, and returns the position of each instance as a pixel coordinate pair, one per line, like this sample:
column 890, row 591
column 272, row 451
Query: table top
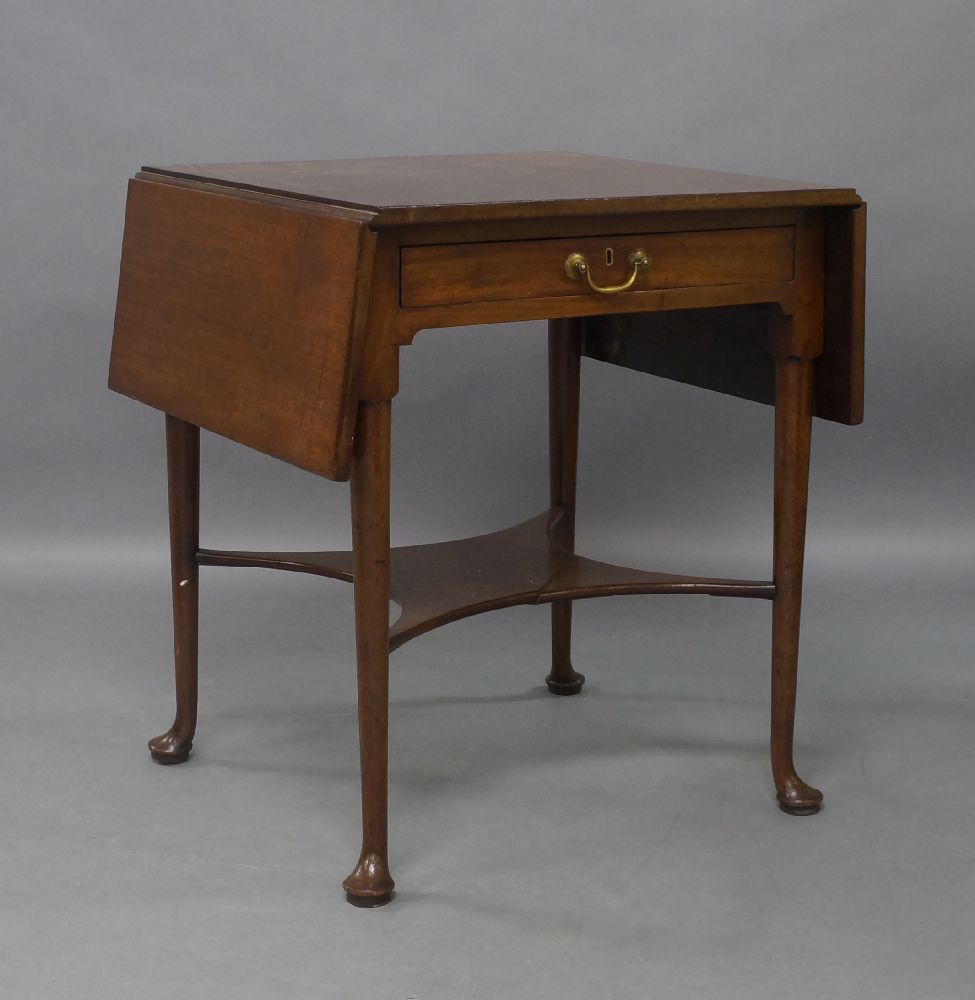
column 265, row 301
column 417, row 189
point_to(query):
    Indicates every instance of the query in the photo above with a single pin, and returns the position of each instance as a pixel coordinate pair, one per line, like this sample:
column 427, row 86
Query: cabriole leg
column 793, row 424
column 370, row 883
column 183, row 463
column 564, row 350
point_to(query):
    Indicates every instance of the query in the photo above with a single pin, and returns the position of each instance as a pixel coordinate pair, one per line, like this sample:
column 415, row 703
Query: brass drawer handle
column 576, row 267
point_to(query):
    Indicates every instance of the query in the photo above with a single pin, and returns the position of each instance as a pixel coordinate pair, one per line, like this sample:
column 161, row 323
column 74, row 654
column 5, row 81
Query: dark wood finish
column 557, row 227
column 244, row 318
column 793, row 424
column 564, row 355
column 370, row 883
column 592, row 304
column 801, row 331
column 269, row 303
column 838, row 386
column 443, row 582
column 529, row 269
column 725, row 349
column 795, row 341
column 183, row 461
column 332, row 565
column 405, row 190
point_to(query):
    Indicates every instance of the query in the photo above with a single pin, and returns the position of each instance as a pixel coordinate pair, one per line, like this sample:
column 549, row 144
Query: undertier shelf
column 445, row 581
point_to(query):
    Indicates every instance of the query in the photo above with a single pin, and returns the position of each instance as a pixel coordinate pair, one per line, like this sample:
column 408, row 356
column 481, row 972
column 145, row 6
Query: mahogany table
column 268, row 302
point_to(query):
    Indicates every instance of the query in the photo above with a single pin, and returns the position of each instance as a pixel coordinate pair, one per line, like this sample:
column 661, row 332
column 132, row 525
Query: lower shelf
column 446, row 581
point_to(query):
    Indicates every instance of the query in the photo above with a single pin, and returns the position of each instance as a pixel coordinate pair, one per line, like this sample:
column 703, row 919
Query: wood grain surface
column 244, row 318
column 726, row 349
column 527, row 269
column 413, row 189
column 270, row 302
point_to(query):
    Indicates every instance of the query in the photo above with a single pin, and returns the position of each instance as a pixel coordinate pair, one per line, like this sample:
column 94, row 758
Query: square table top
column 456, row 188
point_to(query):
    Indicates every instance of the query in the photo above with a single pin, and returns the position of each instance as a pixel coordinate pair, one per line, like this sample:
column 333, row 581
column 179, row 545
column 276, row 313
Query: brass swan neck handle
column 577, row 266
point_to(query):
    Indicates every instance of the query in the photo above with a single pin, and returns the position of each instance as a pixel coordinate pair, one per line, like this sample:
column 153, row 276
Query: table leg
column 564, row 352
column 793, row 425
column 183, row 463
column 370, row 883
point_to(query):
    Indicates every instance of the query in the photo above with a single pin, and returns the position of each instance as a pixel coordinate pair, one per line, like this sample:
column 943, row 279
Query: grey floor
column 624, row 844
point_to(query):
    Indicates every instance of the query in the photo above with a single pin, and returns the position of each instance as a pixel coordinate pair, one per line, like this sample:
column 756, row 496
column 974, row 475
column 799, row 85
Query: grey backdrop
column 621, row 846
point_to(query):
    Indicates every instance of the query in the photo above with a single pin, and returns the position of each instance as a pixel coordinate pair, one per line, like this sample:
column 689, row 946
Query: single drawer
column 530, row 269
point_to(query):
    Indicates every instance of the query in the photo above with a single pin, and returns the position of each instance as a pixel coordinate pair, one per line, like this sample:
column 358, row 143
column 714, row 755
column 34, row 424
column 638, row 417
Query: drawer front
column 529, row 269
